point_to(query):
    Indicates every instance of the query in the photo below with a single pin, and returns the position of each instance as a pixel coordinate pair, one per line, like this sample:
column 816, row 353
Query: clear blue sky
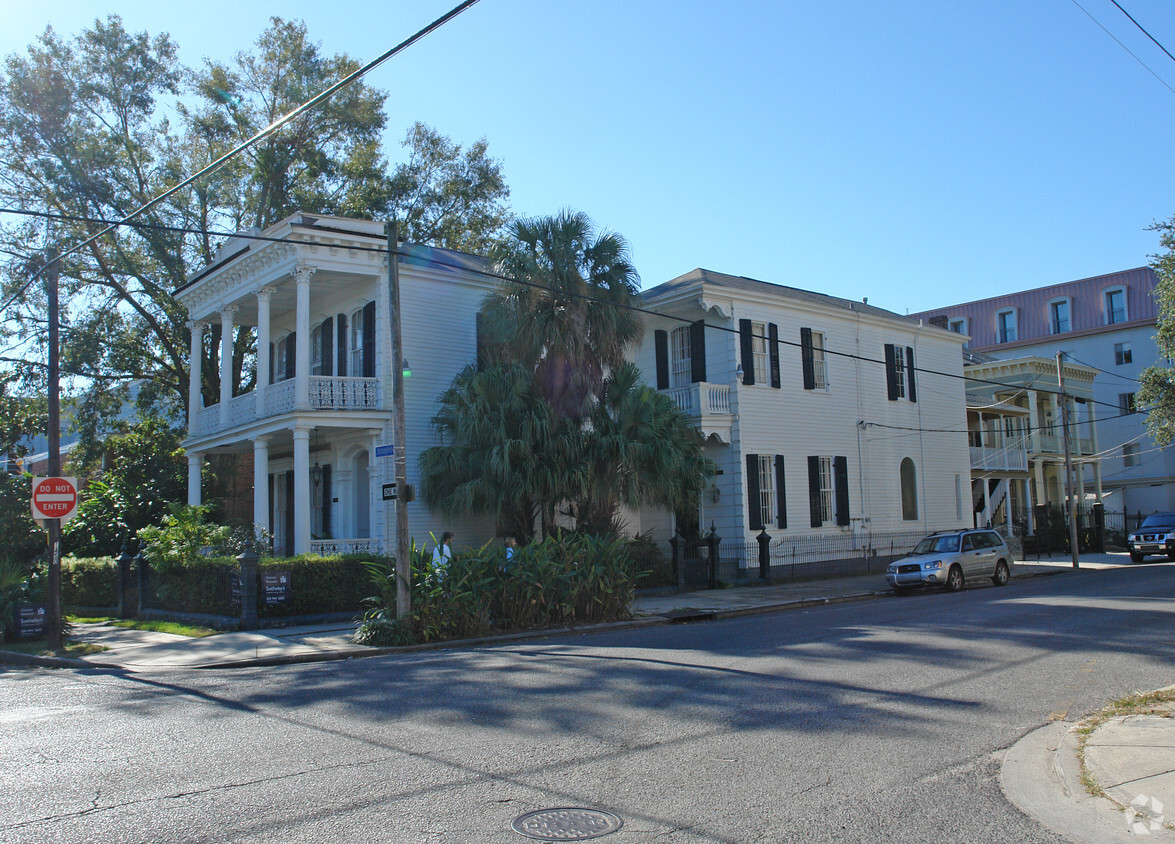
column 917, row 153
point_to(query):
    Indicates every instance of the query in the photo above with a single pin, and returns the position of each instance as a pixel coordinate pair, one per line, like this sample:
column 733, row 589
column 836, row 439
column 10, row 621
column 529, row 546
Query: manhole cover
column 566, row 824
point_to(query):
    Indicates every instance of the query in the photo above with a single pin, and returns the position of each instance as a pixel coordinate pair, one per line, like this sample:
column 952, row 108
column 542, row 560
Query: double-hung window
column 1123, row 354
column 681, row 365
column 1115, row 305
column 1006, row 326
column 759, row 351
column 1059, row 316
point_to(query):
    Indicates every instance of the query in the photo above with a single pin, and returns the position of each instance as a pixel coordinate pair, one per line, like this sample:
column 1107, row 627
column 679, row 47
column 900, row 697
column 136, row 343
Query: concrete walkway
column 1132, row 758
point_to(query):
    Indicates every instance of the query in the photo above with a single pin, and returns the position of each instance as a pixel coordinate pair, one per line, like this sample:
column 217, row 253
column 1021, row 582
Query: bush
column 88, row 582
column 573, row 579
column 184, row 538
column 319, row 584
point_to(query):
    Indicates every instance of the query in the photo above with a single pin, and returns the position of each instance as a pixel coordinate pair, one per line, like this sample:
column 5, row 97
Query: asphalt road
column 879, row 721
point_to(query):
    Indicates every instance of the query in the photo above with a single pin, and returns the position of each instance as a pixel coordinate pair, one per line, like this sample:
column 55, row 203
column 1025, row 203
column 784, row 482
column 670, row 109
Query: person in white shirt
column 442, row 554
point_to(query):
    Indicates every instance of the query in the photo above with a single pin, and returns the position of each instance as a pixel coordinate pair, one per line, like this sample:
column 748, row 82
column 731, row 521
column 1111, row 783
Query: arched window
column 909, row 490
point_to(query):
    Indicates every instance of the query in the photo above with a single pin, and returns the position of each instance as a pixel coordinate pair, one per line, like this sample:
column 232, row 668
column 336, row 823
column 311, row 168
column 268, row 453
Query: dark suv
column 1156, row 535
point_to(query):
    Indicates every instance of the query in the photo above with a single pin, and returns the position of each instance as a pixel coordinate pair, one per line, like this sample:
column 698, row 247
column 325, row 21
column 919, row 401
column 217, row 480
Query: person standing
column 511, row 545
column 442, row 554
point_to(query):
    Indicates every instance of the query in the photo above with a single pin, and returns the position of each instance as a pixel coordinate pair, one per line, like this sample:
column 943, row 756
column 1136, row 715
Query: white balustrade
column 701, row 399
column 328, row 393
column 328, row 547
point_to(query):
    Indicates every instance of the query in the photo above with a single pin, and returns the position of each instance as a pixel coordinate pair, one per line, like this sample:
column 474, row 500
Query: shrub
column 319, row 584
column 88, row 582
column 571, row 579
column 184, row 538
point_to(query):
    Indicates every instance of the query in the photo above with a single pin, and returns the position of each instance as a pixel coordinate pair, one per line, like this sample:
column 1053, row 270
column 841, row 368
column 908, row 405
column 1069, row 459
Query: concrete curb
column 362, row 651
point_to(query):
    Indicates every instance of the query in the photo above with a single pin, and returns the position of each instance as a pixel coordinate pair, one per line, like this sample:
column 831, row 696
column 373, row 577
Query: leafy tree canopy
column 96, row 126
column 1157, row 390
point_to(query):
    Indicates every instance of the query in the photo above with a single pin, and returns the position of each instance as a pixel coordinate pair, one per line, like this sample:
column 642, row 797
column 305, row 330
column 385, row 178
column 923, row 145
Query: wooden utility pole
column 399, row 459
column 52, row 271
column 1070, row 490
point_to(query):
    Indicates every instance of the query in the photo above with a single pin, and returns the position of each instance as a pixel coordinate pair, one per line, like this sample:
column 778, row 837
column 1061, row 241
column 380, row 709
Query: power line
column 1071, row 356
column 261, row 135
column 585, row 296
column 1123, row 46
column 1144, row 32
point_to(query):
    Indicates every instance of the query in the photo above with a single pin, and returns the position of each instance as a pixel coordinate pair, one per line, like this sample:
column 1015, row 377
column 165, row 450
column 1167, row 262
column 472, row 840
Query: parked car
column 1156, row 535
column 950, row 558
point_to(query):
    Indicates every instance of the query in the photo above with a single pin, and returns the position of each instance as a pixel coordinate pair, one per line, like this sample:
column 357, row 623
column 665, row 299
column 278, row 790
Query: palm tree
column 556, row 415
column 570, row 311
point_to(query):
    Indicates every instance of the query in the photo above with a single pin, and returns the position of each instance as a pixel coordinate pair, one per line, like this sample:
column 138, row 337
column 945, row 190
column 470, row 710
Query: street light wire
column 1123, row 46
column 261, row 135
column 536, row 285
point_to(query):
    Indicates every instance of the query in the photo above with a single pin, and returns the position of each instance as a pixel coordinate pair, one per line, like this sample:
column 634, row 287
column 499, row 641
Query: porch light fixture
column 715, row 493
column 316, row 470
column 738, row 372
column 406, row 369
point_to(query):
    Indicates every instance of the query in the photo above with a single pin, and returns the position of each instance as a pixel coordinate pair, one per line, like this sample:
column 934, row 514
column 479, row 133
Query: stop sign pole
column 52, row 269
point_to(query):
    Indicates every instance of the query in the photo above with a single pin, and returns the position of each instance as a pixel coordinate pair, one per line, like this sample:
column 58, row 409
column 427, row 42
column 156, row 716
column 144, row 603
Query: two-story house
column 317, row 425
column 824, row 416
column 1105, row 323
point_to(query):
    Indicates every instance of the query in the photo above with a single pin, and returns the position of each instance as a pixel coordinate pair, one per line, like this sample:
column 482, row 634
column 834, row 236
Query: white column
column 262, row 348
column 195, row 463
column 261, row 483
column 195, row 361
column 302, row 345
column 1034, row 434
column 301, row 490
column 226, row 362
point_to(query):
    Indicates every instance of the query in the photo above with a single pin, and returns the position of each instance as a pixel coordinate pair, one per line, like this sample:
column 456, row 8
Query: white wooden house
column 824, row 416
column 315, row 290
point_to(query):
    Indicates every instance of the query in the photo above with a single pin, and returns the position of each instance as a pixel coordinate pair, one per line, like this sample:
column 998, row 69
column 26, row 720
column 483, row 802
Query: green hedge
column 319, row 585
column 88, row 582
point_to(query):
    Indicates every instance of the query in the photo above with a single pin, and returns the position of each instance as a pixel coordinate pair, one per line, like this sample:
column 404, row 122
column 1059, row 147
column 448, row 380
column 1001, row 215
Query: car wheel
column 1135, row 557
column 954, row 579
column 1000, row 578
column 1171, row 555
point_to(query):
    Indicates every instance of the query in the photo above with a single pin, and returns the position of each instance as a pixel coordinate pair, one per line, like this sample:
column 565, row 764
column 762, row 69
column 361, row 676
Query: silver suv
column 951, row 558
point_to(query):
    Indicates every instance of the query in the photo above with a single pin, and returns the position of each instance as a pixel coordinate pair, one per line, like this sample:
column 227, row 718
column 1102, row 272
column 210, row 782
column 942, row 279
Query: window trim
column 1001, row 329
column 1107, row 312
column 1054, row 327
column 1123, row 354
column 1130, row 452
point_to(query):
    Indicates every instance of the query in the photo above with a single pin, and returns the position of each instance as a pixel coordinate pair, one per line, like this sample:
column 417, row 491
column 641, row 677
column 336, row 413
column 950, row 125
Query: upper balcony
column 323, row 393
column 1005, row 456
column 708, row 405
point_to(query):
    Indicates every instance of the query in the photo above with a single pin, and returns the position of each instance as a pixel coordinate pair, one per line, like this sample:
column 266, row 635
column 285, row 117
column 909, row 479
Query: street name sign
column 55, row 498
column 386, row 450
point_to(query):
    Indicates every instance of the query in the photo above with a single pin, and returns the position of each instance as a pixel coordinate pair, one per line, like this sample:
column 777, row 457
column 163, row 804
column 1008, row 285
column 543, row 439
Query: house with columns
column 313, row 294
column 1015, row 417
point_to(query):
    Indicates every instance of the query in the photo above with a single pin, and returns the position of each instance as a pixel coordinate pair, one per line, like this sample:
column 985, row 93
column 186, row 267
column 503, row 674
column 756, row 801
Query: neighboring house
column 824, row 416
column 1016, row 437
column 1108, row 323
column 318, row 302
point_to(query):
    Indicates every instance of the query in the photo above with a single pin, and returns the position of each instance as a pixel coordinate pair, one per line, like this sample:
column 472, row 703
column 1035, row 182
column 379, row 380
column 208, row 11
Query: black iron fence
column 711, row 561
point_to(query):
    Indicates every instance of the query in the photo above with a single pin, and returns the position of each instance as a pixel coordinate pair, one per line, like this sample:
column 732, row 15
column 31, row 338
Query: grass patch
column 40, row 647
column 176, row 628
column 1160, row 703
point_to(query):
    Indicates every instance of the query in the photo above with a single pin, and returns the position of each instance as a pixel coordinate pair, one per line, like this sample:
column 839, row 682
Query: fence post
column 123, row 580
column 676, row 542
column 712, row 540
column 1099, row 527
column 764, row 541
column 140, row 582
column 248, row 560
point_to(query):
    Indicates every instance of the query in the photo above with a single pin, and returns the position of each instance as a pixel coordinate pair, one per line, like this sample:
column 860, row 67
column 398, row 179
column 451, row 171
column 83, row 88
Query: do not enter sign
column 55, row 498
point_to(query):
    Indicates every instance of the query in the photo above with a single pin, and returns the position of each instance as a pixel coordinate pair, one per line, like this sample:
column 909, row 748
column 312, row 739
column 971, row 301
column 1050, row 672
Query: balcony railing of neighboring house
column 1049, row 444
column 327, row 547
column 1052, row 444
column 325, row 393
column 1012, row 456
column 702, row 399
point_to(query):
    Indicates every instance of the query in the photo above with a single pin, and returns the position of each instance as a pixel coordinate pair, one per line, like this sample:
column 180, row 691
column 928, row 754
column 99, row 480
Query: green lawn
column 192, row 630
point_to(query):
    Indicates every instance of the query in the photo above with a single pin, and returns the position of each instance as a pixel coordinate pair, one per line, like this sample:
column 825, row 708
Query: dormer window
column 1114, row 305
column 1006, row 326
column 1059, row 316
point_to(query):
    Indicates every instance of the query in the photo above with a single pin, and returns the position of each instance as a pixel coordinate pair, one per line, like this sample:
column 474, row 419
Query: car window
column 994, row 540
column 1159, row 520
column 968, row 542
column 937, row 545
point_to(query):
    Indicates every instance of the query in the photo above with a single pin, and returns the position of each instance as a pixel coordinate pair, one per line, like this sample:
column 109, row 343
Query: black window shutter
column 748, row 354
column 328, row 359
column 291, row 354
column 272, row 356
column 814, row 490
column 369, row 340
column 910, row 374
column 840, row 471
column 891, row 373
column 806, row 359
column 326, row 496
column 661, row 345
column 697, row 351
column 753, row 506
column 773, row 352
column 341, row 328
column 780, row 498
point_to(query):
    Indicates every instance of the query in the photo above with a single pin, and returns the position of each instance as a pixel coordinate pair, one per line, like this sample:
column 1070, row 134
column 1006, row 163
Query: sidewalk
column 1131, row 757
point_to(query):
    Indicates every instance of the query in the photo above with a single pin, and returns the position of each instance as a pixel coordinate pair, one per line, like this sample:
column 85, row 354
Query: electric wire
column 259, row 136
column 573, row 294
column 1123, row 46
